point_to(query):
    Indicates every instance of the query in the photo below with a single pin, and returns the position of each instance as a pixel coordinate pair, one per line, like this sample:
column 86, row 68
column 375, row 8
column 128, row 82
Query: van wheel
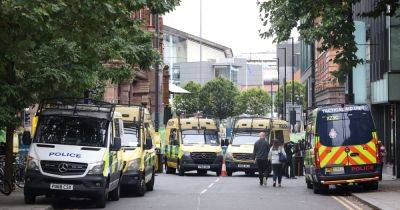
column 150, row 184
column 320, row 188
column 141, row 186
column 115, row 194
column 229, row 172
column 29, row 198
column 371, row 186
column 171, row 170
column 249, row 173
column 181, row 172
column 218, row 173
column 101, row 200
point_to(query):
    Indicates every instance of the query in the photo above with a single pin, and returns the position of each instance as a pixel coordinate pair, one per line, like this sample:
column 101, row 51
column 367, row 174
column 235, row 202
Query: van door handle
column 354, row 154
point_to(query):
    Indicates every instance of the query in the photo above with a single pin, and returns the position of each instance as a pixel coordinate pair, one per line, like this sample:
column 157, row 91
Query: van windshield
column 131, row 135
column 244, row 139
column 82, row 131
column 343, row 129
column 200, row 137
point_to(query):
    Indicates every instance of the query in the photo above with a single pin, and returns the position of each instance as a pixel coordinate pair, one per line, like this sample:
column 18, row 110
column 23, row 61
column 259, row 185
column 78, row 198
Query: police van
column 246, row 130
column 342, row 148
column 75, row 152
column 138, row 150
column 193, row 145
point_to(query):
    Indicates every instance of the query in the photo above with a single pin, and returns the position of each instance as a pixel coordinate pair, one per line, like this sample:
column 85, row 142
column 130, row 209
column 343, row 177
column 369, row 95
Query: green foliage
column 299, row 95
column 188, row 103
column 218, row 98
column 330, row 22
column 57, row 47
column 254, row 101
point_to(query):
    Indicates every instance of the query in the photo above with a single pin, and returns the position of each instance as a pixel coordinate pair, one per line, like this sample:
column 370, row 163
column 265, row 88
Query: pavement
column 195, row 192
column 386, row 197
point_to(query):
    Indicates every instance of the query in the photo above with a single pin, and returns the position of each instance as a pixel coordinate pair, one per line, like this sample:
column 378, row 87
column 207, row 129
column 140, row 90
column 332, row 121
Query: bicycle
column 5, row 186
column 19, row 172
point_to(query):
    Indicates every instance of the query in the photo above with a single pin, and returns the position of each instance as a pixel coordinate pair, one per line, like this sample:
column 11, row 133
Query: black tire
column 229, row 173
column 181, row 172
column 29, row 198
column 371, row 186
column 101, row 200
column 218, row 173
column 150, row 184
column 249, row 173
column 171, row 170
column 141, row 186
column 115, row 194
column 320, row 188
column 5, row 187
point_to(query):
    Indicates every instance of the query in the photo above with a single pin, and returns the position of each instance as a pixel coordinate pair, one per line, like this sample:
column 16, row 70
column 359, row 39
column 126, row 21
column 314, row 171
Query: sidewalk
column 386, row 197
column 16, row 201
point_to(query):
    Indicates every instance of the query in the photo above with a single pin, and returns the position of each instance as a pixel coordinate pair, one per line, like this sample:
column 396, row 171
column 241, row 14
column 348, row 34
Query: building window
column 394, row 43
column 227, row 72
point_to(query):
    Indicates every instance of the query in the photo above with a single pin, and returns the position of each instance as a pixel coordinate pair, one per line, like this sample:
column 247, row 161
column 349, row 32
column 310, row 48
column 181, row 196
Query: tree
column 218, row 98
column 51, row 48
column 254, row 101
column 299, row 95
column 188, row 103
column 328, row 21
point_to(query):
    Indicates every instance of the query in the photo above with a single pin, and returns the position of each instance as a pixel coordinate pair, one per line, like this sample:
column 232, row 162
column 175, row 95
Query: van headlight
column 133, row 165
column 98, row 168
column 31, row 164
column 186, row 154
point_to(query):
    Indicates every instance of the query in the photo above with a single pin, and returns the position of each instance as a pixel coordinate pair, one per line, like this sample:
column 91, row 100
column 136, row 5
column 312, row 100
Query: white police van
column 75, row 152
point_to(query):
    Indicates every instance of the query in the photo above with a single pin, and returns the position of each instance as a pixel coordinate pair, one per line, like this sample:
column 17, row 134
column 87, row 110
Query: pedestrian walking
column 289, row 165
column 260, row 154
column 277, row 156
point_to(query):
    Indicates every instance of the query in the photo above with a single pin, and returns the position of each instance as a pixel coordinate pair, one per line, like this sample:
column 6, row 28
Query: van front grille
column 203, row 157
column 63, row 168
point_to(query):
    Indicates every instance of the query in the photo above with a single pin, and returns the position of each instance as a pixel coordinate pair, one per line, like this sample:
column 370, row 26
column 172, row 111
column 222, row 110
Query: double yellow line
column 347, row 203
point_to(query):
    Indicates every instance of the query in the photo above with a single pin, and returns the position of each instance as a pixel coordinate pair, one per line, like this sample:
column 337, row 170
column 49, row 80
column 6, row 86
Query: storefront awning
column 174, row 89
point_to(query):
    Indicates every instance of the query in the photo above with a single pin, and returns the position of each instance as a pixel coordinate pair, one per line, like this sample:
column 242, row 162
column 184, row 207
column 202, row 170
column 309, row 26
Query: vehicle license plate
column 61, row 186
column 336, row 170
column 203, row 166
column 243, row 166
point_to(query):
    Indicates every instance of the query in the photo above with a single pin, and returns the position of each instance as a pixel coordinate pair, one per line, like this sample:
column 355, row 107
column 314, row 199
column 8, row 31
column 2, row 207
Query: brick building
column 327, row 89
column 141, row 88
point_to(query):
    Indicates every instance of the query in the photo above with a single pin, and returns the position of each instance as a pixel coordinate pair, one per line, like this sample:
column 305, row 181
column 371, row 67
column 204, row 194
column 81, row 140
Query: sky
column 233, row 23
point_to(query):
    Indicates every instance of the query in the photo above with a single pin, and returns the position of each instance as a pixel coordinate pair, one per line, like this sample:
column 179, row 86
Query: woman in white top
column 277, row 165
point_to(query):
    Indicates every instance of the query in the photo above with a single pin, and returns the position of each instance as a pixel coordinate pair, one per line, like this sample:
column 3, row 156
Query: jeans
column 277, row 169
column 262, row 168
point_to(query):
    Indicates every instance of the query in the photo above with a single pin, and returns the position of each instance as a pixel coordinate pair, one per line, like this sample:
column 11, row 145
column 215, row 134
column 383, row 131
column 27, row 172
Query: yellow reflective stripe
column 325, row 161
column 341, row 158
column 367, row 154
column 372, row 145
column 106, row 163
column 321, row 150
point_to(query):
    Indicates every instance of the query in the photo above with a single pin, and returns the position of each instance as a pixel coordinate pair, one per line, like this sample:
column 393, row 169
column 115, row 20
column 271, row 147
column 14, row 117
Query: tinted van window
column 343, row 129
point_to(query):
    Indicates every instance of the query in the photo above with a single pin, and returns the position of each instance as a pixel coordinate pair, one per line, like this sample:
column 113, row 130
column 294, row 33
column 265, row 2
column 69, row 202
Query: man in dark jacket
column 260, row 154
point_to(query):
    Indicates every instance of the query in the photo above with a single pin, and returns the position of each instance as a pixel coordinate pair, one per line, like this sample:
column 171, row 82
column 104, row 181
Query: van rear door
column 347, row 144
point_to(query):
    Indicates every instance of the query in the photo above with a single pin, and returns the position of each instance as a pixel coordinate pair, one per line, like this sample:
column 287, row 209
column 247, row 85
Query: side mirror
column 26, row 138
column 149, row 143
column 117, row 144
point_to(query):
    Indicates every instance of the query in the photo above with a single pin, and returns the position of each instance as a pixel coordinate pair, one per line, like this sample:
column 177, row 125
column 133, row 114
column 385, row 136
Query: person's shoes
column 261, row 182
column 265, row 181
column 274, row 185
column 293, row 177
column 279, row 185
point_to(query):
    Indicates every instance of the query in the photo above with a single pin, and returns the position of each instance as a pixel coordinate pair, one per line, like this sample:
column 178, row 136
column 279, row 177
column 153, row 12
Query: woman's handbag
column 282, row 157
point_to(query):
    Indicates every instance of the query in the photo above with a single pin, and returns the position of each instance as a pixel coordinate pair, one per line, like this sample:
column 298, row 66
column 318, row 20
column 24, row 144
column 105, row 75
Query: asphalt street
column 239, row 192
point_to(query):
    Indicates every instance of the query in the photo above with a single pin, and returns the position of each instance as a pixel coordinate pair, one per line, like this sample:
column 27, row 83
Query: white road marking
column 350, row 202
column 204, row 191
column 342, row 202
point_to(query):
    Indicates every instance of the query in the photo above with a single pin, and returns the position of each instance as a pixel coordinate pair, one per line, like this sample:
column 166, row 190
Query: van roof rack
column 76, row 105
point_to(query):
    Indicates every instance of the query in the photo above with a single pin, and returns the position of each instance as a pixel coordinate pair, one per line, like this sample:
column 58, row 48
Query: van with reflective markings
column 75, row 152
column 193, row 145
column 343, row 148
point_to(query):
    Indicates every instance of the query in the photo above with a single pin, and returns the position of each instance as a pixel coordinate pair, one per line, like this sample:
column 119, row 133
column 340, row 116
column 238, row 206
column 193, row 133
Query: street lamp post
column 284, row 83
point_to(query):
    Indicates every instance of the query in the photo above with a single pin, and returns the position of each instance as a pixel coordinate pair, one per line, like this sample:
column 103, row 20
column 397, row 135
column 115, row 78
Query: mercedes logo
column 63, row 167
column 203, row 155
